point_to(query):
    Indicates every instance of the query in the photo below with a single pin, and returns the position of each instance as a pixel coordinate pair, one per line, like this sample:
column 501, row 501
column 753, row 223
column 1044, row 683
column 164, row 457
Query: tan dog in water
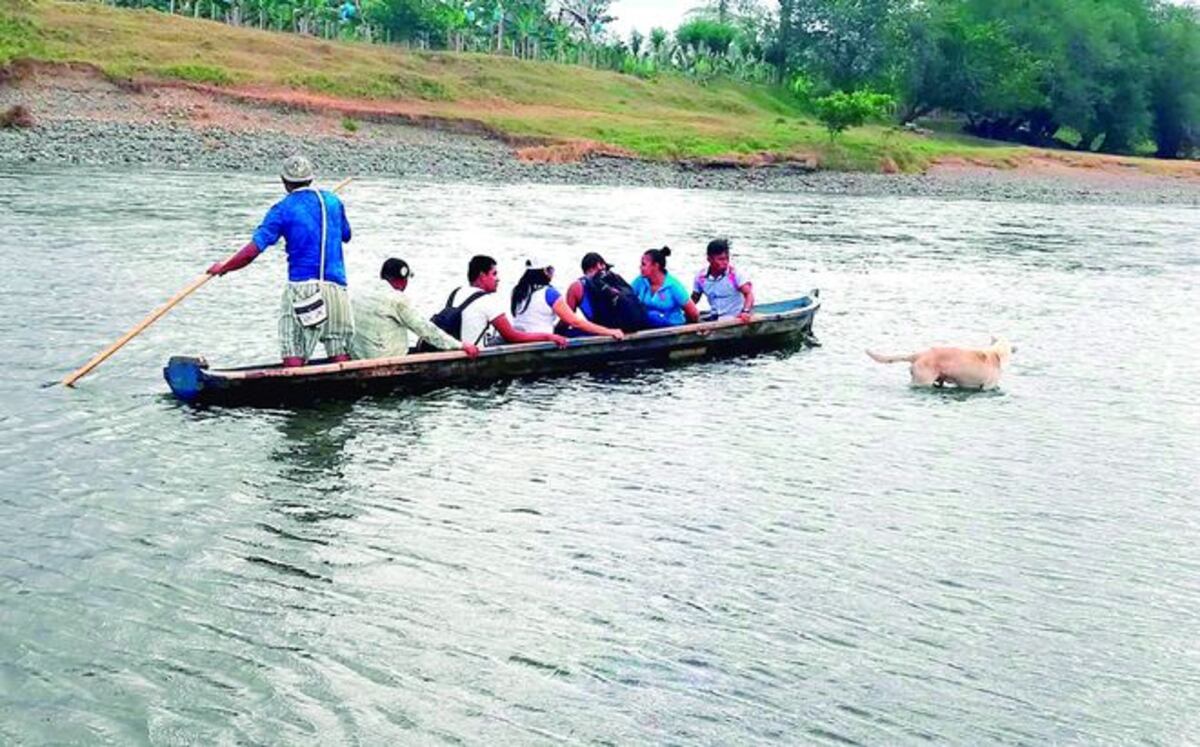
column 967, row 369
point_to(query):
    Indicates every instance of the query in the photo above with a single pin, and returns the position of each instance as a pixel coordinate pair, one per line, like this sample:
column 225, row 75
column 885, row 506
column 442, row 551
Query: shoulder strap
column 474, row 297
column 733, row 278
column 324, row 231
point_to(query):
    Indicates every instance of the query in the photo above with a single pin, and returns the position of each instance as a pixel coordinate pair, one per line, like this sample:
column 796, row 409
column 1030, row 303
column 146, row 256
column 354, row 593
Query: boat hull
column 776, row 326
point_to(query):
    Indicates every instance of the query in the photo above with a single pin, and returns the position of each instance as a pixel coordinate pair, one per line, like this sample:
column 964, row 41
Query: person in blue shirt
column 666, row 301
column 315, row 305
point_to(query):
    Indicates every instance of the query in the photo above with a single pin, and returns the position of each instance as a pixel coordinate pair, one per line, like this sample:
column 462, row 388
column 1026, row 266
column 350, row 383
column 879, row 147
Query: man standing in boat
column 383, row 319
column 315, row 305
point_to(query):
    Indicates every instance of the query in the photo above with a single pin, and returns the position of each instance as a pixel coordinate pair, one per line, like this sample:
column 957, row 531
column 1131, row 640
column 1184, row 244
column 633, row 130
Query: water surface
column 786, row 549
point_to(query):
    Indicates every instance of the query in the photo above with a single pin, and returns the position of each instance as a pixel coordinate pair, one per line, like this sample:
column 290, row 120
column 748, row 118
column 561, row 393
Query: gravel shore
column 85, row 120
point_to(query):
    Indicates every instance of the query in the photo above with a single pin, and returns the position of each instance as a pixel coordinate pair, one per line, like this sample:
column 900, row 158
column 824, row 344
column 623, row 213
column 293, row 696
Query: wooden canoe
column 781, row 325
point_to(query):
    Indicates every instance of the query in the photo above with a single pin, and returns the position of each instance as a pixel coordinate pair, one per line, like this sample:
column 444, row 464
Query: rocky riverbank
column 81, row 118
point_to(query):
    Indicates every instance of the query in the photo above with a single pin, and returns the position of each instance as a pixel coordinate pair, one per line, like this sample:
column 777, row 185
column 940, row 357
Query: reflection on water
column 787, row 548
column 313, row 443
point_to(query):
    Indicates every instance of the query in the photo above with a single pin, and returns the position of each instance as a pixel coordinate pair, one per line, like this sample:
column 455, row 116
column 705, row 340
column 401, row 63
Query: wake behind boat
column 775, row 326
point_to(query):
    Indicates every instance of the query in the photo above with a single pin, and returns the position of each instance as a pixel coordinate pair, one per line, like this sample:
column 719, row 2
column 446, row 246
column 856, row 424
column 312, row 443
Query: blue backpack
column 613, row 302
column 449, row 319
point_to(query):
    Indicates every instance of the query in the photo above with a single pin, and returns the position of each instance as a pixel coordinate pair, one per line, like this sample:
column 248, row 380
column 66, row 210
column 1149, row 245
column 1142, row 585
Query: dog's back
column 968, row 368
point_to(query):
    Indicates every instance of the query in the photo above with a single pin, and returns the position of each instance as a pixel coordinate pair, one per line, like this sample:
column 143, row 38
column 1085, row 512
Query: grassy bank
column 668, row 117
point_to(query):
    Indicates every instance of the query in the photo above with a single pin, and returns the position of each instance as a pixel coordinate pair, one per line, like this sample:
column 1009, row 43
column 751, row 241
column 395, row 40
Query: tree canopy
column 1108, row 74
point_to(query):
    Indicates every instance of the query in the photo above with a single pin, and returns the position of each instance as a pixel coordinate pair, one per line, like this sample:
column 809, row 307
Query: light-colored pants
column 298, row 341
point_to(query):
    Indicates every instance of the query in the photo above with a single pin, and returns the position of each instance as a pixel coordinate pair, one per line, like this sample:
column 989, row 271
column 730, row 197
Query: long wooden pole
column 154, row 316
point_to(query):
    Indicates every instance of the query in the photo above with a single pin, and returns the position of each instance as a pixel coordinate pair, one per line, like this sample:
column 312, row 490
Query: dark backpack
column 449, row 319
column 613, row 302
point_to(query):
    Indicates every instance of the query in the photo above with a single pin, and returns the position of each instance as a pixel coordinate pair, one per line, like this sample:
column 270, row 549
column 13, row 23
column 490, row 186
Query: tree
column 702, row 35
column 1175, row 87
column 779, row 54
column 840, row 110
column 636, row 39
column 589, row 16
column 658, row 43
column 955, row 63
column 843, row 42
column 529, row 17
column 452, row 18
column 559, row 41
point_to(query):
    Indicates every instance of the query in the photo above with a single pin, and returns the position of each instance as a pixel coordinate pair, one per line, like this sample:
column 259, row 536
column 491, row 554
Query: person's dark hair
column 718, row 246
column 659, row 256
column 394, row 269
column 533, row 279
column 480, row 264
column 590, row 260
column 293, row 186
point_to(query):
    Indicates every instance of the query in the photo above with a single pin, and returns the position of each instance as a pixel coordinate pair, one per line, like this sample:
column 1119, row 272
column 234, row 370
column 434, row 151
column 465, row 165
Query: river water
column 787, row 549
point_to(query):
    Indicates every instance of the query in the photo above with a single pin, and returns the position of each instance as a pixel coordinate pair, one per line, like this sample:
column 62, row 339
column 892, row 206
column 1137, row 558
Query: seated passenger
column 384, row 317
column 665, row 299
column 478, row 313
column 537, row 305
column 577, row 300
column 729, row 292
column 603, row 297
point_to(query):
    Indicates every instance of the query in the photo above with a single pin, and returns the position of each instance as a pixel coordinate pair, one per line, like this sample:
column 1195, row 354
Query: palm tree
column 527, row 23
column 559, row 41
column 453, row 16
column 658, row 43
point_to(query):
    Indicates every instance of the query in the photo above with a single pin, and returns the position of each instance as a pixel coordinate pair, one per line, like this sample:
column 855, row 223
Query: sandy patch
column 1090, row 167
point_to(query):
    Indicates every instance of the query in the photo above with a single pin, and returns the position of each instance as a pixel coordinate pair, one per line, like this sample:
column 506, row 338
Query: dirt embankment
column 81, row 117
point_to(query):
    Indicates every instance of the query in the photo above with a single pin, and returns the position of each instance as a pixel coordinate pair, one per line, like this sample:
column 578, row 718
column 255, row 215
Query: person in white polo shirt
column 728, row 290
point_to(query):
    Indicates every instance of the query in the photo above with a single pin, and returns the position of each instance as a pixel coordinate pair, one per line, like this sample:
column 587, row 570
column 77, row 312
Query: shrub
column 802, row 87
column 641, row 68
column 840, row 111
column 16, row 117
column 349, row 124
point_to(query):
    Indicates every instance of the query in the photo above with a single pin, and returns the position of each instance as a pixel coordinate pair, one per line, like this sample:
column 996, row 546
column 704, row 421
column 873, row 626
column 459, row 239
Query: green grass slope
column 668, row 117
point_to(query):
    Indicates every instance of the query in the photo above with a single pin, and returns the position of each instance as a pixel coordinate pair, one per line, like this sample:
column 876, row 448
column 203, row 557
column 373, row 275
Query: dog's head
column 1003, row 349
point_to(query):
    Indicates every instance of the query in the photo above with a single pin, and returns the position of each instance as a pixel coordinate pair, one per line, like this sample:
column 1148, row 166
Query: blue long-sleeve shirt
column 297, row 219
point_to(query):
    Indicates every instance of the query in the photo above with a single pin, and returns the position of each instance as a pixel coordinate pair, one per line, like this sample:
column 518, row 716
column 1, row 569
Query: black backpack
column 449, row 319
column 613, row 302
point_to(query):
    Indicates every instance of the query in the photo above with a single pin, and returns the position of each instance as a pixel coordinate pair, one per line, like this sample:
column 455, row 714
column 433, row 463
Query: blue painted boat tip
column 184, row 376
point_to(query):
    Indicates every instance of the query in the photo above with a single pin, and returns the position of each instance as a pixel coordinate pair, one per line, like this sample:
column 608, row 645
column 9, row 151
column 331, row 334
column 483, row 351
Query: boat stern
column 185, row 375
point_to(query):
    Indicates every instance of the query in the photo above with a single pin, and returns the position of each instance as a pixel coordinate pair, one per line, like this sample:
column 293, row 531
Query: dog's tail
column 892, row 358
